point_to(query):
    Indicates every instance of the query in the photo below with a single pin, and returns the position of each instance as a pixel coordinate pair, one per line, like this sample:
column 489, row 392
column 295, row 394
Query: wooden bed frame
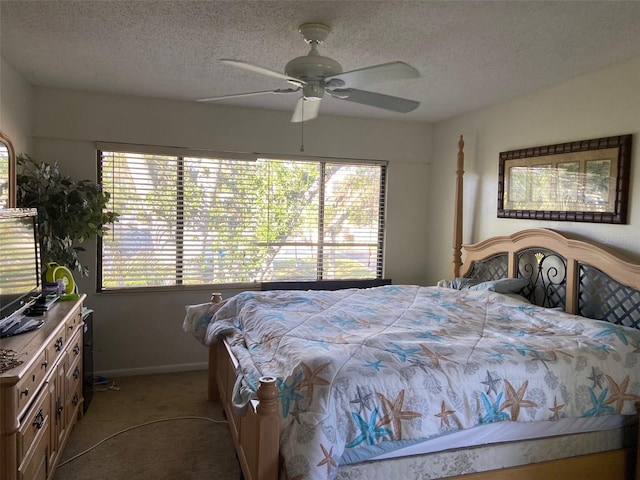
column 256, row 435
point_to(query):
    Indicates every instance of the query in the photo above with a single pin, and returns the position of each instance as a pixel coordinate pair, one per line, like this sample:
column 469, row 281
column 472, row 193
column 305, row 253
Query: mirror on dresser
column 7, row 173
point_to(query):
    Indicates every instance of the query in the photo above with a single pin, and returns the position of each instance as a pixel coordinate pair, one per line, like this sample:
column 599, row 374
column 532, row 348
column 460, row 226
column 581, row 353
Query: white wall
column 601, row 104
column 142, row 332
column 16, row 108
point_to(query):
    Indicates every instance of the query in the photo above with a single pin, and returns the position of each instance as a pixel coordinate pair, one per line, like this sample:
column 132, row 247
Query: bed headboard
column 578, row 276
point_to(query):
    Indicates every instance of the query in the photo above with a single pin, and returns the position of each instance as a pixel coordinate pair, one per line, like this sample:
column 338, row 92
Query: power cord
column 138, row 426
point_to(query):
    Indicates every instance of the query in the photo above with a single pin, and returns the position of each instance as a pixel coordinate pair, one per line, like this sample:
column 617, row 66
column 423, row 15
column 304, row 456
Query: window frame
column 182, row 153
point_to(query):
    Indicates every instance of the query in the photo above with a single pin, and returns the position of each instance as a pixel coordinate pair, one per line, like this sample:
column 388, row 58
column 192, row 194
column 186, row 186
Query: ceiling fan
column 314, row 74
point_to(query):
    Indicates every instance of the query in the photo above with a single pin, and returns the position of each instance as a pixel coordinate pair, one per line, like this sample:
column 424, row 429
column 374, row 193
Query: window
column 194, row 220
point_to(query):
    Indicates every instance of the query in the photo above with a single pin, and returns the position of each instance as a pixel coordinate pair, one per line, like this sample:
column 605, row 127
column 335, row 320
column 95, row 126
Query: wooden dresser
column 41, row 399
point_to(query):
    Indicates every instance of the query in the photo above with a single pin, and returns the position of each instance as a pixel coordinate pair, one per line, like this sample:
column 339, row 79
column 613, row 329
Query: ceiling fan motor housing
column 312, row 67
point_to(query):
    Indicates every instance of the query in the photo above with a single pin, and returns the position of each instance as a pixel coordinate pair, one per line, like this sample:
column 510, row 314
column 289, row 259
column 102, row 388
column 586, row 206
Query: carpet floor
column 184, row 449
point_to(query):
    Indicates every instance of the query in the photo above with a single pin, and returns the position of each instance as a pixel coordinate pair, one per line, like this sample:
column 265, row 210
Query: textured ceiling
column 470, row 54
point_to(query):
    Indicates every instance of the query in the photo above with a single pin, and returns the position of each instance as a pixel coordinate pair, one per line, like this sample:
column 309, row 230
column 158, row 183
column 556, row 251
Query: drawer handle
column 76, row 373
column 59, row 410
column 24, row 392
column 58, row 344
column 45, row 364
column 76, row 349
column 38, row 420
column 75, row 400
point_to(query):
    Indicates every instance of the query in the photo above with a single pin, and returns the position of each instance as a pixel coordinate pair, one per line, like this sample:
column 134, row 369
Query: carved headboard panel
column 602, row 298
column 579, row 277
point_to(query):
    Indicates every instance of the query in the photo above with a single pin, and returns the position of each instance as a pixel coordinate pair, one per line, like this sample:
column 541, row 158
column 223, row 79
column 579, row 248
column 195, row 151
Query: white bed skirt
column 481, row 458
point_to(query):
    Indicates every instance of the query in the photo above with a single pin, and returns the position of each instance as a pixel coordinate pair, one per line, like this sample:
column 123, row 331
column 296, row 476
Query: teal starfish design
column 521, row 349
column 434, row 316
column 492, row 415
column 319, row 344
column 402, row 353
column 604, row 348
column 526, row 308
column 430, row 336
column 344, row 323
column 599, row 408
column 368, row 431
column 377, row 365
column 288, row 394
column 612, row 329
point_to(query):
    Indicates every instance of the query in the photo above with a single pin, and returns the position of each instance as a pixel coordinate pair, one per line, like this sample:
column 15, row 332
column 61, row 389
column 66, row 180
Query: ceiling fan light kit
column 316, row 74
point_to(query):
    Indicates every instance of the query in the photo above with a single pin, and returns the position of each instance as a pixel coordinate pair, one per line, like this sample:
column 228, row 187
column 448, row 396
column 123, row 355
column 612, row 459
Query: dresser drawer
column 56, row 344
column 74, row 371
column 74, row 400
column 34, row 423
column 35, row 465
column 75, row 348
column 74, row 321
column 28, row 386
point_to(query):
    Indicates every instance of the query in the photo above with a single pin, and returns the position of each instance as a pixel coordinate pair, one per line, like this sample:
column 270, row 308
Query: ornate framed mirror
column 7, row 173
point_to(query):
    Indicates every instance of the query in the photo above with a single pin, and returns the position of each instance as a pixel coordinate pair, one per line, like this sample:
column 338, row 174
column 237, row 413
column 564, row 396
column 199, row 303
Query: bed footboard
column 256, row 435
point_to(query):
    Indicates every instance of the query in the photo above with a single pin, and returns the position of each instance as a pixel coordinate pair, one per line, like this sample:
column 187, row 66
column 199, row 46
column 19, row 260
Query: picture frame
column 582, row 181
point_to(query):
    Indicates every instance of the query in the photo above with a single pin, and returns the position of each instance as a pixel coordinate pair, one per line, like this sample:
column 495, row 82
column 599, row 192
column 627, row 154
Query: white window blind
column 191, row 221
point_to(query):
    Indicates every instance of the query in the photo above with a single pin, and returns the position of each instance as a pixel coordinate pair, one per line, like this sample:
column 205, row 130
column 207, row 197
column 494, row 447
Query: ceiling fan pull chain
column 302, row 129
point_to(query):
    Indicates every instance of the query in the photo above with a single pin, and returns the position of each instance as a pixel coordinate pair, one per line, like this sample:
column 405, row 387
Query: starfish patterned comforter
column 361, row 372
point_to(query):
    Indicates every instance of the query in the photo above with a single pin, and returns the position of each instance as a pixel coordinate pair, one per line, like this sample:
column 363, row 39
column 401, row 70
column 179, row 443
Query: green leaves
column 69, row 211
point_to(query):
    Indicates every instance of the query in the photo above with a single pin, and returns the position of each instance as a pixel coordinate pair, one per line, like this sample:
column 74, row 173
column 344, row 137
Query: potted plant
column 69, row 211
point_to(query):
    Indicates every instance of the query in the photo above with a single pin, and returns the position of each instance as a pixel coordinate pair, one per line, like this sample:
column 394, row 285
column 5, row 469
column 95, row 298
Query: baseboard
column 129, row 372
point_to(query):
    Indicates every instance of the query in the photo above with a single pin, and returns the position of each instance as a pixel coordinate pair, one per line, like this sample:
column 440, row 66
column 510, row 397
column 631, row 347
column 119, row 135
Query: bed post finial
column 457, row 215
column 268, row 428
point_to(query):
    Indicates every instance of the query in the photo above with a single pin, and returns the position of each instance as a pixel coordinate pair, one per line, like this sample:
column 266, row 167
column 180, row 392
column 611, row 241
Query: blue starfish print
column 368, row 431
column 430, row 336
column 253, row 380
column 612, row 329
column 526, row 308
column 403, row 353
column 604, row 348
column 599, row 408
column 451, row 305
column 434, row 316
column 274, row 317
column 521, row 349
column 319, row 343
column 377, row 365
column 493, row 415
column 287, row 393
column 341, row 322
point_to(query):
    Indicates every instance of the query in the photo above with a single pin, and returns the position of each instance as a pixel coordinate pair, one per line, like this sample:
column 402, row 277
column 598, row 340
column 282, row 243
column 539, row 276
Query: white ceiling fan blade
column 379, row 100
column 249, row 94
column 375, row 73
column 306, row 109
column 263, row 71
